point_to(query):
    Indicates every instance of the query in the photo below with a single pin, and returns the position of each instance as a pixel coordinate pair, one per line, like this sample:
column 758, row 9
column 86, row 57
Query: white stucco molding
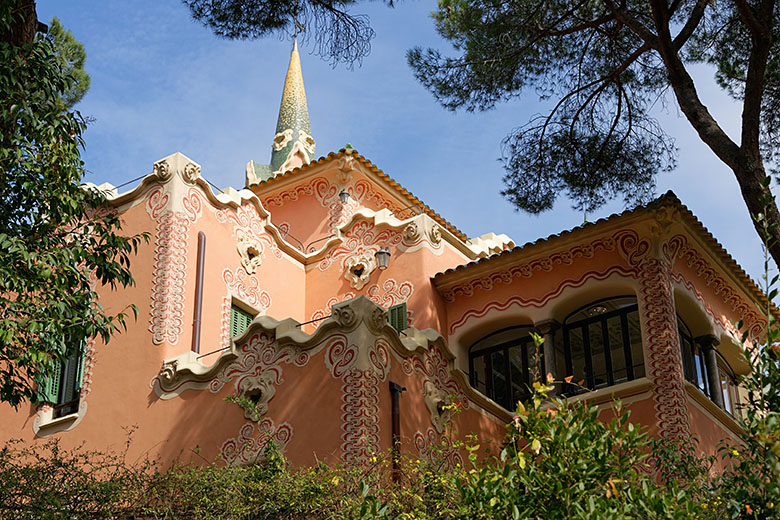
column 431, row 235
column 362, row 324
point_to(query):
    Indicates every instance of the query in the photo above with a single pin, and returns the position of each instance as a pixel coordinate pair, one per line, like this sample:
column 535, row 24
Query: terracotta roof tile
column 409, row 196
column 667, row 198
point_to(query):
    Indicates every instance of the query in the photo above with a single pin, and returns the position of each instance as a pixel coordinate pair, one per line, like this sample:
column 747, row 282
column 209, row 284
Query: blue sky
column 162, row 83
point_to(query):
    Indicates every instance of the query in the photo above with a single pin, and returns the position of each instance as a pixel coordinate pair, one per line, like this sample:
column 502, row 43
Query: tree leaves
column 336, row 35
column 57, row 239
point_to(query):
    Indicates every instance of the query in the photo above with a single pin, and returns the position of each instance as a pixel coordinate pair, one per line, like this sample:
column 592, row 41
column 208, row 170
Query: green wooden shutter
column 49, row 387
column 74, row 367
column 69, row 380
column 397, row 316
column 239, row 320
column 82, row 358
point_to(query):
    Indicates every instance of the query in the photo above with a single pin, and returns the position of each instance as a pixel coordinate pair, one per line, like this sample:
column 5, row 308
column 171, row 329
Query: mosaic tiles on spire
column 293, row 144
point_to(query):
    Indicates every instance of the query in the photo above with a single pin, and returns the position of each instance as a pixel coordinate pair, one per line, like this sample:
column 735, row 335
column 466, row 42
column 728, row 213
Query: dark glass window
column 501, row 365
column 601, row 345
column 694, row 366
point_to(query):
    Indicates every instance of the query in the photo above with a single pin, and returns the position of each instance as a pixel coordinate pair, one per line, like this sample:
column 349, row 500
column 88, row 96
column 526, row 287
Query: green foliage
column 71, row 56
column 58, row 240
column 751, row 487
column 561, row 461
column 336, row 35
column 605, row 65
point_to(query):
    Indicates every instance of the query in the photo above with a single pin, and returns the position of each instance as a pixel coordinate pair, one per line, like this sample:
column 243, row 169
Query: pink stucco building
column 323, row 291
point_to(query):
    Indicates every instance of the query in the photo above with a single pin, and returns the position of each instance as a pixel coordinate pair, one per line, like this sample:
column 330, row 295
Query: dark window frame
column 525, row 343
column 583, row 324
column 694, row 364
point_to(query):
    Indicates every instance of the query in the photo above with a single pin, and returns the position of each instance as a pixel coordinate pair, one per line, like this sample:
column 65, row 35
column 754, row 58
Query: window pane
column 701, row 379
column 500, row 371
column 517, row 334
column 479, row 374
column 519, row 376
column 560, row 357
column 598, row 356
column 724, row 388
column 635, row 336
column 577, row 353
column 617, row 350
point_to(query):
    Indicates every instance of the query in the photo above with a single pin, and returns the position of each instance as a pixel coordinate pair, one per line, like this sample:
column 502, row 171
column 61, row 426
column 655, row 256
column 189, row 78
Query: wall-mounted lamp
column 343, row 195
column 382, row 258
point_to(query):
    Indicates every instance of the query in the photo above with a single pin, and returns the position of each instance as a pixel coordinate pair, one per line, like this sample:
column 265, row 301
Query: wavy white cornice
column 360, row 325
column 186, row 170
column 357, row 319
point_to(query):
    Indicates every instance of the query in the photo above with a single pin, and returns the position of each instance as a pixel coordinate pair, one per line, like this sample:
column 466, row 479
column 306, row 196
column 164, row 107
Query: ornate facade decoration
column 437, row 449
column 282, row 139
column 659, row 331
column 257, row 371
column 437, row 384
column 248, row 223
column 173, row 214
column 527, row 269
column 246, row 287
column 522, row 302
column 251, row 252
column 248, row 446
column 361, row 366
column 358, row 269
column 359, row 238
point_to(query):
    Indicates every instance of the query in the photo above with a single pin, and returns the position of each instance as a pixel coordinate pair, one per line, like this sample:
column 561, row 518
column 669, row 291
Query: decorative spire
column 293, row 144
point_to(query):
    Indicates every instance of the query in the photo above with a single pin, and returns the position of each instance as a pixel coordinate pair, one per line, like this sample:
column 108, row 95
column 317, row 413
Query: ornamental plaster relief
column 388, row 294
column 542, row 301
column 689, row 255
column 439, row 387
column 282, row 139
column 361, row 193
column 360, row 238
column 420, row 233
column 251, row 252
column 246, row 288
column 248, row 225
column 249, row 445
column 358, row 269
column 357, row 343
column 658, row 318
column 257, row 371
column 437, row 449
column 527, row 269
column 174, row 205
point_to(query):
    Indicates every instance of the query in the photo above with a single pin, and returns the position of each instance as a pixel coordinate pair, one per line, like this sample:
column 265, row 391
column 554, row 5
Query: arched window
column 601, row 345
column 694, row 366
column 501, row 365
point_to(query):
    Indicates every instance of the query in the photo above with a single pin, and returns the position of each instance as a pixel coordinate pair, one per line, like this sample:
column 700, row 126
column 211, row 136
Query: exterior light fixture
column 382, row 258
column 596, row 310
column 343, row 195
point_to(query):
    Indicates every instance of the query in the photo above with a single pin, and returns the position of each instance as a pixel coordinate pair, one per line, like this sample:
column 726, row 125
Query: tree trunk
column 25, row 25
column 758, row 199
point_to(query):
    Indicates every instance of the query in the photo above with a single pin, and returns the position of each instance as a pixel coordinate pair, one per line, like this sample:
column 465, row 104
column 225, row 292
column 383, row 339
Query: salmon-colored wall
column 308, row 411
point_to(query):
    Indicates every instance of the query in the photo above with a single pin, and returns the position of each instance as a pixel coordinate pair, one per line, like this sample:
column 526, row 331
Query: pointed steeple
column 293, row 144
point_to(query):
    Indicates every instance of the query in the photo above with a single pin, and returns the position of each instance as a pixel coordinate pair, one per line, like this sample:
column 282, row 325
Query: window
column 501, row 365
column 396, row 315
column 239, row 320
column 601, row 345
column 728, row 386
column 694, row 366
column 63, row 389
